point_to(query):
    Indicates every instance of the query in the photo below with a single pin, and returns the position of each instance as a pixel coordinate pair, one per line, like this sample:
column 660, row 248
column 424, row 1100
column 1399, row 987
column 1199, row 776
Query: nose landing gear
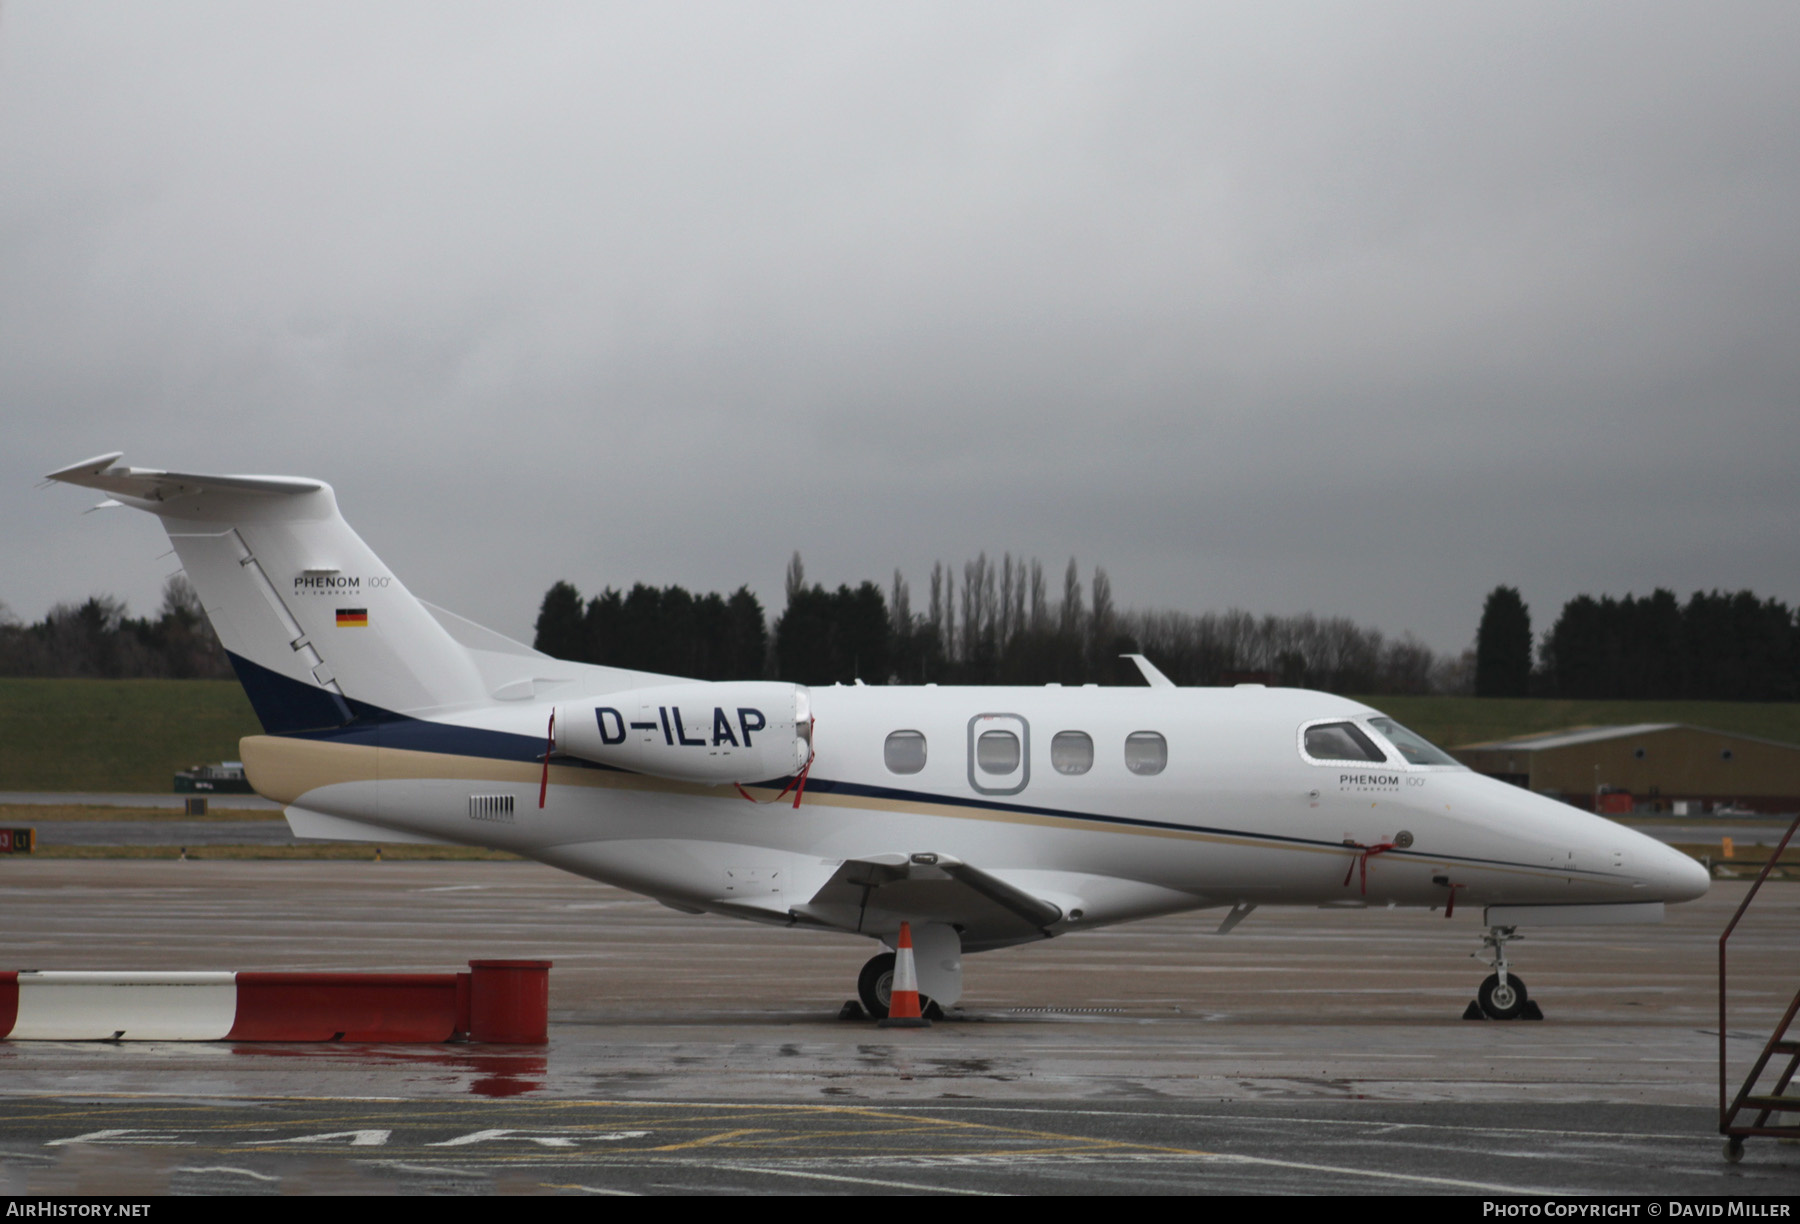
column 1502, row 995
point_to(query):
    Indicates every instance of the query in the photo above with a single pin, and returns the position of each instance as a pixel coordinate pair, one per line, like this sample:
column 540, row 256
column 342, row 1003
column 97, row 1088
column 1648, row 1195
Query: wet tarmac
column 1308, row 1051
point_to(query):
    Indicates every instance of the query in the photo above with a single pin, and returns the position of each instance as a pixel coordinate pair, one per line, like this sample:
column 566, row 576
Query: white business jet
column 983, row 817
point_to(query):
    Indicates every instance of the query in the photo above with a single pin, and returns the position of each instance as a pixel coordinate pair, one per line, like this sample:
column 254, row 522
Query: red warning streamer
column 1450, row 909
column 549, row 747
column 1362, row 861
column 797, row 783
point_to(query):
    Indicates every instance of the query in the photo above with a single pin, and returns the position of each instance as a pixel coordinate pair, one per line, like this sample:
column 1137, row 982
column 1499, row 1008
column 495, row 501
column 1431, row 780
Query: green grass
column 116, row 735
column 43, row 813
column 334, row 851
column 132, row 735
column 1455, row 721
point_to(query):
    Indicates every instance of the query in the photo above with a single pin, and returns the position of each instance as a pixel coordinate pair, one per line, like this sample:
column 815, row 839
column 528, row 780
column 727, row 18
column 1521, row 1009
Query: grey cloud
column 1359, row 309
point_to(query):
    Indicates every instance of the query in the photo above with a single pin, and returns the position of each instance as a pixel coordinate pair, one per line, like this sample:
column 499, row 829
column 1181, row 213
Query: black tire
column 874, row 985
column 1734, row 1149
column 1502, row 1002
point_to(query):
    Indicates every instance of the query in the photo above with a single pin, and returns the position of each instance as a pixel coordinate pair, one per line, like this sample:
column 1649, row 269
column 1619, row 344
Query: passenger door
column 999, row 753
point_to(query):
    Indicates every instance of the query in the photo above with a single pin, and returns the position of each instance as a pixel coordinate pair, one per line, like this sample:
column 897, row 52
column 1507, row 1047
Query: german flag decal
column 353, row 618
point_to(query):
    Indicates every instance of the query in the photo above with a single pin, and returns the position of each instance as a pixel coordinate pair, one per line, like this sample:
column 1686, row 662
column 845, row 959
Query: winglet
column 1152, row 677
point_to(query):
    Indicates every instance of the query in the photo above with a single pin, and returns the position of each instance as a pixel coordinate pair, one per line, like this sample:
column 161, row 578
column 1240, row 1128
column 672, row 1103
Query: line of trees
column 1717, row 646
column 1003, row 623
column 97, row 638
column 668, row 630
column 998, row 623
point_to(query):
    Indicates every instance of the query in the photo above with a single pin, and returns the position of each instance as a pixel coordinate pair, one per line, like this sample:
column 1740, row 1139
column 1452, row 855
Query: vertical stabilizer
column 317, row 627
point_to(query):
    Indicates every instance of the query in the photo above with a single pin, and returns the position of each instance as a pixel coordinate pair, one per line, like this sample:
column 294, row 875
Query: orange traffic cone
column 903, row 999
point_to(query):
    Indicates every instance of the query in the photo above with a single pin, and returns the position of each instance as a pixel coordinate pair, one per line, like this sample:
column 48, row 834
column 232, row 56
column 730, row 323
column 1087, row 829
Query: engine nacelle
column 709, row 732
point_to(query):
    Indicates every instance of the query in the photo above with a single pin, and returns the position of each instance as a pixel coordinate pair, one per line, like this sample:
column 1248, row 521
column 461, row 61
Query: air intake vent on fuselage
column 497, row 808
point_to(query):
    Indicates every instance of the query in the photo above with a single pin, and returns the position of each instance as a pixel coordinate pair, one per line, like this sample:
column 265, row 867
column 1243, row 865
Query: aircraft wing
column 873, row 895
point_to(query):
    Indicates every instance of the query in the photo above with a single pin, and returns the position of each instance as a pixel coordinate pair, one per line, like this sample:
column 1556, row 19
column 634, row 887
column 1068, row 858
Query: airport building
column 1647, row 767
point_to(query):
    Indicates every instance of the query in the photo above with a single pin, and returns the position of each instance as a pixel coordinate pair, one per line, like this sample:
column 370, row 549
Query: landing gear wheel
column 1502, row 1002
column 875, row 985
column 1734, row 1149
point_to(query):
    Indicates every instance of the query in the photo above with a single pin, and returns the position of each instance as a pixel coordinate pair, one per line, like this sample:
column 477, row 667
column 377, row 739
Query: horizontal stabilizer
column 154, row 485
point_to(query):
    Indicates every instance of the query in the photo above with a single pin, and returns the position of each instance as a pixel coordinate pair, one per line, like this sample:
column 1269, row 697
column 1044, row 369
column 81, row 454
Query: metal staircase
column 1751, row 1112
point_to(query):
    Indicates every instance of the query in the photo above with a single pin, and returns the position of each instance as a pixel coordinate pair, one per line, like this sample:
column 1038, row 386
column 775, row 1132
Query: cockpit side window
column 1410, row 744
column 1341, row 741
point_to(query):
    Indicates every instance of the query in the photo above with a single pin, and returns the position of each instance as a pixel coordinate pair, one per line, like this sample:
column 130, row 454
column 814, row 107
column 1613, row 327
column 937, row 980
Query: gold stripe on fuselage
column 284, row 769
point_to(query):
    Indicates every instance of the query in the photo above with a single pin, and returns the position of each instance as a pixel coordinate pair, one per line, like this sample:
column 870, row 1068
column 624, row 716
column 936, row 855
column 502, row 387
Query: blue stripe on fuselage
column 284, row 706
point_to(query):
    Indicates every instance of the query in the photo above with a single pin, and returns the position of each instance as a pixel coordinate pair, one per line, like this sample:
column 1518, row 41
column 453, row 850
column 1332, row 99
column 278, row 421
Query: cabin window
column 1341, row 741
column 997, row 752
column 905, row 752
column 1146, row 752
column 1072, row 752
column 1414, row 747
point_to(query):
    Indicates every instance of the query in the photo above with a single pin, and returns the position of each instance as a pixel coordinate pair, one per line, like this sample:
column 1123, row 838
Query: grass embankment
column 360, row 852
column 116, row 735
column 1454, row 721
column 132, row 735
column 36, row 813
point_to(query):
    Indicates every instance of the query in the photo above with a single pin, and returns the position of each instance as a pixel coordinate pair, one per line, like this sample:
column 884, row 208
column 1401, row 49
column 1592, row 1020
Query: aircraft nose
column 1678, row 877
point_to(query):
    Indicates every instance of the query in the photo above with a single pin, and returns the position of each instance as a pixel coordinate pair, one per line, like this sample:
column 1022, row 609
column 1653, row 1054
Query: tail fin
column 315, row 624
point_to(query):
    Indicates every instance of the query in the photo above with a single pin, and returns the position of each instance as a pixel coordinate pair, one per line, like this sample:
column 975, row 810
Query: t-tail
column 320, row 632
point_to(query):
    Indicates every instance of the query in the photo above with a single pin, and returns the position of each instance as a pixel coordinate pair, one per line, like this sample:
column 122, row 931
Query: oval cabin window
column 1072, row 752
column 905, row 752
column 997, row 752
column 1146, row 752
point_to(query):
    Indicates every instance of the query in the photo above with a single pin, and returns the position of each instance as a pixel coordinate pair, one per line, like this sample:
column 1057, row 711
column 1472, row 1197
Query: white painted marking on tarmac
column 861, row 1181
column 542, row 1139
column 126, row 1136
column 1380, row 1175
column 234, row 1171
column 454, row 888
column 605, row 1190
column 357, row 1138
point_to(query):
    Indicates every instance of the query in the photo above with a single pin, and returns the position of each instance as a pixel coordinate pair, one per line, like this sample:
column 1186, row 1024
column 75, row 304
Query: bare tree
column 1072, row 616
column 796, row 577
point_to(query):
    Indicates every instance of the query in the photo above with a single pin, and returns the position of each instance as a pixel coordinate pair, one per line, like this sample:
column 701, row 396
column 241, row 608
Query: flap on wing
column 873, row 894
column 309, row 825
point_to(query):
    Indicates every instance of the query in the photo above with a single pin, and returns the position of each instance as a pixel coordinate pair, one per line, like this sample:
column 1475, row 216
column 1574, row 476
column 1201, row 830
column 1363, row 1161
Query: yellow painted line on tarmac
column 704, row 1141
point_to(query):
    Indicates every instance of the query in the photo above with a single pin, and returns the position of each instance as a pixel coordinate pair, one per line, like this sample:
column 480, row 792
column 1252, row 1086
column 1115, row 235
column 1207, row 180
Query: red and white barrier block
column 496, row 1001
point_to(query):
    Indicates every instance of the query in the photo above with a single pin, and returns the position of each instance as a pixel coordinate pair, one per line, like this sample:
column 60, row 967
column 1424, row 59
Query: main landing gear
column 1502, row 995
column 875, row 986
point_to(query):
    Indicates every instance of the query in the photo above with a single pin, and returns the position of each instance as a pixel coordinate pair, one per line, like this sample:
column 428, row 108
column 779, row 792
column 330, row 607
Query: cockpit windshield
column 1341, row 741
column 1414, row 747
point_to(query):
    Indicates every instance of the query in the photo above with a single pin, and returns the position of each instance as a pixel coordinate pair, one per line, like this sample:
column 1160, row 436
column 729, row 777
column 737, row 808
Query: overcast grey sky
column 1359, row 309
